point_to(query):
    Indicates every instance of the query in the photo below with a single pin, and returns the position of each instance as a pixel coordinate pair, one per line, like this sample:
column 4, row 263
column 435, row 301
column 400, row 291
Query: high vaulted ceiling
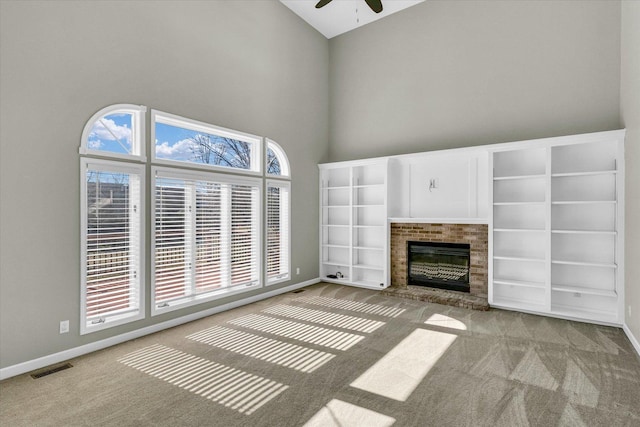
column 341, row 16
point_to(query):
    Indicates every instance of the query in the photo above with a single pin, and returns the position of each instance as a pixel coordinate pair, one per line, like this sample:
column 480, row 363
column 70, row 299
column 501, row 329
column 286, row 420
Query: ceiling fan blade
column 375, row 5
column 322, row 3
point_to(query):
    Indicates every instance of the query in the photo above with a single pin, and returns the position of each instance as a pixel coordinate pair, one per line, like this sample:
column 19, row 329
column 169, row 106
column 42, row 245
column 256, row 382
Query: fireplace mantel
column 404, row 220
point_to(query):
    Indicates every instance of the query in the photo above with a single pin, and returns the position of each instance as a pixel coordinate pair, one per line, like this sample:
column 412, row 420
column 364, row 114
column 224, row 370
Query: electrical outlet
column 64, row 326
column 297, row 270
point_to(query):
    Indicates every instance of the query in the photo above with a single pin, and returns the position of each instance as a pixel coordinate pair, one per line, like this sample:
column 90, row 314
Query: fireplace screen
column 438, row 265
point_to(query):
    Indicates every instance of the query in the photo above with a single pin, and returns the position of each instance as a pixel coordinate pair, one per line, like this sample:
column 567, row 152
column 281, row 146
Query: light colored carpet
column 341, row 356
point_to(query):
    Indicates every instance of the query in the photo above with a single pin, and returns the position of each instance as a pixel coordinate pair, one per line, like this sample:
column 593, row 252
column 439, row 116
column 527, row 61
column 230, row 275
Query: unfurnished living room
column 320, row 213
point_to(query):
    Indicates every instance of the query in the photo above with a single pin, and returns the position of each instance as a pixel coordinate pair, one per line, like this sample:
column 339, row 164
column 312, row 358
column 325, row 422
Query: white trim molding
column 41, row 362
column 632, row 338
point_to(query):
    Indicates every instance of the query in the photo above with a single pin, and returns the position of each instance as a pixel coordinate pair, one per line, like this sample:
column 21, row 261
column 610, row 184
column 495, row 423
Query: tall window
column 206, row 236
column 112, row 218
column 278, row 250
column 278, row 237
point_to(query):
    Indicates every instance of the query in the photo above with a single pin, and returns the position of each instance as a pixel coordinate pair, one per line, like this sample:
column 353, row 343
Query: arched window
column 112, row 217
column 115, row 131
column 207, row 227
column 277, row 162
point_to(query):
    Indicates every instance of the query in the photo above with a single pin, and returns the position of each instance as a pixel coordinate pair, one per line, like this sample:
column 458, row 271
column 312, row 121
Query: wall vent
column 51, row 370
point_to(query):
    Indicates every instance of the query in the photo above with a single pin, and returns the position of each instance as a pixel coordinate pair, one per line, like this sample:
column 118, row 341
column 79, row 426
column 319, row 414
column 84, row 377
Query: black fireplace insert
column 438, row 265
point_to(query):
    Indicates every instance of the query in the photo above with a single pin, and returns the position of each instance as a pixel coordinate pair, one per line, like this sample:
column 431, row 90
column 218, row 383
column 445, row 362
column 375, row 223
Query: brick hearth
column 476, row 235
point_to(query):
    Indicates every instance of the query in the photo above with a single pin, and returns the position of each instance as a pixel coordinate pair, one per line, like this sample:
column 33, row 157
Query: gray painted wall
column 439, row 75
column 630, row 110
column 253, row 66
column 447, row 74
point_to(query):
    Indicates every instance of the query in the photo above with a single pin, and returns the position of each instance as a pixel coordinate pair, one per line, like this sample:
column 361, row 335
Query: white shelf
column 369, row 267
column 368, row 248
column 519, row 230
column 519, row 283
column 591, row 173
column 538, row 203
column 380, row 185
column 336, row 263
column 516, row 258
column 331, row 245
column 337, row 187
column 583, row 290
column 584, row 264
column 369, row 206
column 336, row 225
column 516, row 177
column 420, row 220
column 583, row 202
column 605, row 232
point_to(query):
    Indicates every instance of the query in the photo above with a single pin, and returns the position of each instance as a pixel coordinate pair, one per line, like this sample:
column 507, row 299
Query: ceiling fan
column 375, row 5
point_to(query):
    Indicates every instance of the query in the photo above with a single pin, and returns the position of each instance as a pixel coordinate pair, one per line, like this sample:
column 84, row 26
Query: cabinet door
column 443, row 187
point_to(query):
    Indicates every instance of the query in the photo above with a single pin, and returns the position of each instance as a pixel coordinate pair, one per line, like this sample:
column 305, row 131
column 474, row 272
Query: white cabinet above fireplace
column 440, row 187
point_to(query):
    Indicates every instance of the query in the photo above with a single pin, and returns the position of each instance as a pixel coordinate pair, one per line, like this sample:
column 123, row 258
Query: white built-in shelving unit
column 554, row 208
column 557, row 227
column 354, row 230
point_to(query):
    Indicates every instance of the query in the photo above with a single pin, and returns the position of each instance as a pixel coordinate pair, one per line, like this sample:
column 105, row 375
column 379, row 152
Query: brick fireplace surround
column 476, row 235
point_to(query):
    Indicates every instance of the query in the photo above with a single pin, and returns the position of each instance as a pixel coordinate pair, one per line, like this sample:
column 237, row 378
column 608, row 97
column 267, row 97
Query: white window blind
column 278, row 237
column 206, row 236
column 111, row 243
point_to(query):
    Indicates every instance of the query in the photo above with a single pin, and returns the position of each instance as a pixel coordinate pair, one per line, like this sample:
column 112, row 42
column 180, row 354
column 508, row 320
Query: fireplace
column 439, row 265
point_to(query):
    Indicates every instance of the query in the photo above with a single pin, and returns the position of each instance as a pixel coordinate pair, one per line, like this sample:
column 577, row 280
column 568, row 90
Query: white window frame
column 285, row 168
column 86, row 325
column 286, row 241
column 216, row 294
column 137, row 132
column 197, row 126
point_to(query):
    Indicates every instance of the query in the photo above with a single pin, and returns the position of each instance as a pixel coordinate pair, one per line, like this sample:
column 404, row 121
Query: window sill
column 200, row 299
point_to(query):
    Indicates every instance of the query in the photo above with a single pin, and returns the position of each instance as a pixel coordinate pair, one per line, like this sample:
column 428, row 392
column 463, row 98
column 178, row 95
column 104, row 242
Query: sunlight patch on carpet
column 274, row 351
column 400, row 371
column 354, row 323
column 361, row 307
column 445, row 322
column 227, row 386
column 342, row 414
column 299, row 331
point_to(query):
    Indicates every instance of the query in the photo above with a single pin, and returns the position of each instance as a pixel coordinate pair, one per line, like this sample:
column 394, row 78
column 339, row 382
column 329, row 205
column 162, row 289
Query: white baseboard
column 632, row 338
column 41, row 362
